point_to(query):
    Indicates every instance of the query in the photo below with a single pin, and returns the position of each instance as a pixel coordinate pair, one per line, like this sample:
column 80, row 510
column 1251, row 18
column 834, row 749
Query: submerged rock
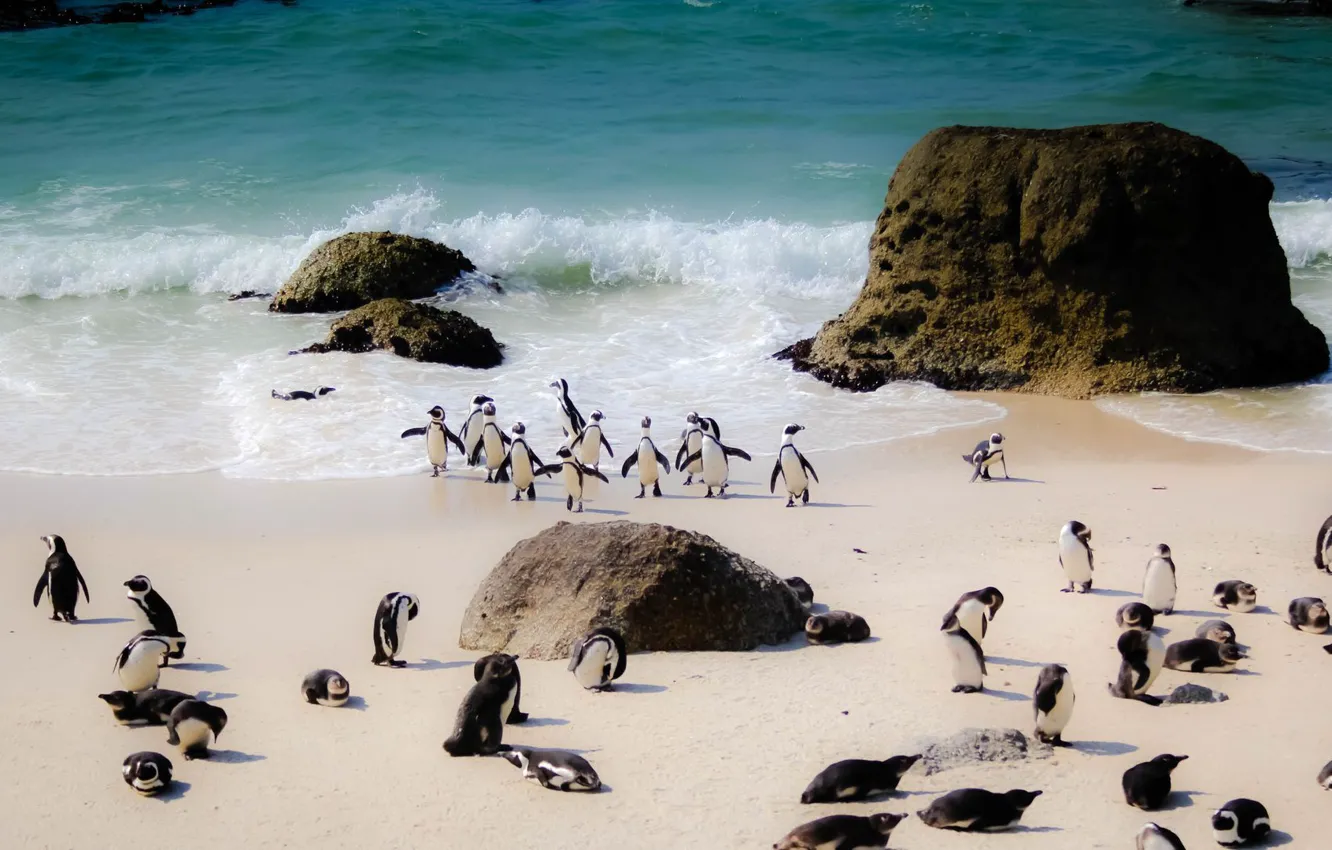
column 1073, row 262
column 662, row 588
column 971, row 746
column 1192, row 694
column 418, row 331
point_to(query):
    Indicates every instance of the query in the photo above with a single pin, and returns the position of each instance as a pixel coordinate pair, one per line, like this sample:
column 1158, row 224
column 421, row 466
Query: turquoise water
column 719, row 160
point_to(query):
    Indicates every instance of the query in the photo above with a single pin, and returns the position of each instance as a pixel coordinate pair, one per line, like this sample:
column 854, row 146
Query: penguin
column 968, row 659
column 395, row 611
column 478, row 729
column 1142, row 654
column 1238, row 596
column 975, row 610
column 716, row 469
column 1158, row 583
column 1200, row 655
column 1325, row 776
column 598, row 658
column 1075, row 556
column 1156, row 837
column 836, row 627
column 146, row 708
column 1308, row 614
column 516, row 715
column 557, row 770
column 1217, row 630
column 574, row 475
column 438, row 436
column 691, row 442
column 792, row 466
column 471, row 429
column 193, row 725
column 1323, row 547
column 1053, row 703
column 158, row 614
column 648, row 459
column 61, row 580
column 803, row 592
column 493, row 443
column 148, row 773
column 589, row 441
column 1135, row 615
column 1147, row 785
column 842, row 832
column 326, row 687
column 975, row 809
column 857, row 779
column 1240, row 822
column 139, row 660
column 571, row 421
column 522, row 466
column 302, row 395
column 175, row 644
column 985, row 454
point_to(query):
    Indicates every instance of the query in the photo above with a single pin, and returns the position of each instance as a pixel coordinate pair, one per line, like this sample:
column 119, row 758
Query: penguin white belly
column 1158, row 587
column 572, row 485
column 589, row 450
column 1053, row 723
column 648, row 471
column 966, row 666
column 473, row 435
column 436, row 446
column 494, row 448
column 193, row 733
column 694, row 442
column 715, row 470
column 396, row 649
column 521, row 464
column 796, row 480
column 589, row 673
column 508, row 704
column 1077, row 563
column 971, row 615
column 141, row 671
column 1156, row 652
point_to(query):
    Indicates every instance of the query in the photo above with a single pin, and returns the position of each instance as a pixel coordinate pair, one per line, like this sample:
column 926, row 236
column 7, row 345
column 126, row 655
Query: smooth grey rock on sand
column 972, row 746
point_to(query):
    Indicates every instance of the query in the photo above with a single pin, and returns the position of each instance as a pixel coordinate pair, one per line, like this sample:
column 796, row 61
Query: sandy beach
column 706, row 750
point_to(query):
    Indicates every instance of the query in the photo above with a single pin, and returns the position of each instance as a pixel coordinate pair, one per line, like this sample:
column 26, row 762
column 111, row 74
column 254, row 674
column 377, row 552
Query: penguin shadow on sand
column 1015, row 480
column 177, row 790
column 102, row 621
column 1008, row 696
column 1110, row 591
column 1182, row 613
column 1102, row 748
column 1011, row 662
column 214, row 696
column 637, row 688
column 427, row 664
column 605, row 511
column 233, row 757
column 1180, row 800
column 1019, row 829
column 1276, row 838
column 356, row 703
column 201, row 667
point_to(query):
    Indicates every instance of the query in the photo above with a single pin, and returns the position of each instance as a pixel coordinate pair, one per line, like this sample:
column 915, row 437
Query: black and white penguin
column 1141, row 656
column 598, row 658
column 395, row 611
column 1325, row 776
column 138, row 662
column 1308, row 614
column 175, row 642
column 1135, row 615
column 157, row 613
column 575, row 475
column 967, row 657
column 516, row 715
column 836, row 627
column 1147, row 785
column 852, row 832
column 648, row 458
column 326, row 687
column 1200, row 655
column 147, row 708
column 1323, row 547
column 1238, row 596
column 61, row 579
column 713, row 454
column 857, row 779
column 193, row 725
column 802, row 590
column 471, row 429
column 691, row 442
column 589, row 442
column 794, row 469
column 975, row 610
column 975, row 809
column 1158, row 582
column 558, row 770
column 303, row 395
column 571, row 421
column 1075, row 556
column 1241, row 822
column 438, row 436
column 1156, row 837
column 522, row 466
column 1217, row 630
column 1053, row 703
column 493, row 444
column 986, row 453
column 478, row 729
column 147, row 772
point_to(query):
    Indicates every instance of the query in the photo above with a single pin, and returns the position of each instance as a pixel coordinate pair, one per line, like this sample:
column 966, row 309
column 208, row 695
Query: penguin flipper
column 776, row 470
column 808, row 467
column 698, row 455
column 734, row 452
column 505, row 439
column 628, row 465
column 976, row 473
column 1044, row 698
column 453, row 438
column 550, row 469
column 505, row 464
column 1144, row 673
column 680, row 455
column 587, row 470
column 413, row 432
column 980, row 655
column 606, row 443
column 41, row 588
column 172, row 738
column 83, row 584
column 537, row 465
column 475, row 457
column 661, row 459
column 578, row 438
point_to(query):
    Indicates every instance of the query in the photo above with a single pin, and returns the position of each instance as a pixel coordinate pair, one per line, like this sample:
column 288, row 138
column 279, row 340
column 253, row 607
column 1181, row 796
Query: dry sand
column 697, row 750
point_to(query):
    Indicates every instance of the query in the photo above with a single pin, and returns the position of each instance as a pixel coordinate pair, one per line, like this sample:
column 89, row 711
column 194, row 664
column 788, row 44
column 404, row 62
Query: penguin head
column 1224, row 820
column 814, row 625
column 1162, row 550
column 54, row 543
column 478, row 400
column 597, row 416
column 489, row 408
column 564, row 453
column 1318, row 614
column 1021, row 799
column 1080, row 531
column 646, row 423
column 323, row 391
column 514, row 757
column 1167, row 761
column 436, row 412
column 1230, row 653
column 886, row 822
column 901, row 764
column 117, row 699
column 996, row 439
column 499, row 666
column 519, row 429
column 337, row 685
column 413, row 605
column 993, row 599
column 139, row 584
column 793, row 429
column 560, row 386
column 692, row 418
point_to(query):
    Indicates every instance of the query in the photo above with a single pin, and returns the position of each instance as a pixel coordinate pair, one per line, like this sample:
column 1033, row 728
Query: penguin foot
column 435, row 473
column 1068, row 589
column 1148, row 699
column 531, row 493
column 804, row 498
column 394, row 662
column 190, row 755
column 689, row 480
column 517, row 497
column 966, row 689
column 568, row 505
column 790, row 503
column 656, row 489
column 580, row 508
column 708, row 495
column 642, row 490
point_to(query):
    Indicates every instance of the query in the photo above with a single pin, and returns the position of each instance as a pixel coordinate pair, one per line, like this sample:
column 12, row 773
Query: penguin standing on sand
column 558, row 770
column 1053, row 701
column 478, row 729
column 1142, row 655
column 571, row 421
column 648, row 459
column 138, row 662
column 521, row 465
column 194, row 724
column 852, row 832
column 148, row 773
column 968, row 659
column 493, row 442
column 438, row 436
column 1135, row 615
column 589, row 442
column 986, row 453
column 857, row 779
column 158, row 614
column 61, row 580
column 1323, row 547
column 1075, row 556
column 1147, row 785
column 598, row 658
column 691, row 441
column 395, row 611
column 471, row 429
column 713, row 454
column 574, row 476
column 1241, row 822
column 977, row 810
column 792, row 466
column 974, row 611
column 1308, row 614
column 303, row 395
column 1158, row 582
column 1156, row 837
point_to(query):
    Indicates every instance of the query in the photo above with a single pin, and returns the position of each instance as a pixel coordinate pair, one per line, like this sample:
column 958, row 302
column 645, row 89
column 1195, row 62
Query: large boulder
column 357, row 268
column 661, row 587
column 413, row 330
column 1073, row 262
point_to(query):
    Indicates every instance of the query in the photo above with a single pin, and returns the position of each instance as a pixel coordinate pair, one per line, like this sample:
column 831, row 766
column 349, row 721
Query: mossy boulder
column 413, row 330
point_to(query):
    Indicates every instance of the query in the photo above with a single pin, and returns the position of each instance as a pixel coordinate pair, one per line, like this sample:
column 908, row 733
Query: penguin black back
column 1147, row 785
column 478, row 729
column 61, row 580
column 516, row 715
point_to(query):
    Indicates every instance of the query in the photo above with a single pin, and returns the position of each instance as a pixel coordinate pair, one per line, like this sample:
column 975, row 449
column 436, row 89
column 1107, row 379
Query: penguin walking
column 1135, row 615
column 557, row 770
column 1323, row 547
column 1240, row 822
column 1308, row 614
column 575, row 475
column 138, row 662
column 193, row 725
column 1142, row 654
column 1156, row 837
column 303, row 395
column 968, row 659
column 985, row 455
column 857, row 779
column 1053, row 702
column 590, row 440
column 522, row 466
column 1147, row 785
column 1158, row 582
column 1075, row 556
column 975, row 809
column 157, row 613
column 1200, row 655
column 974, row 611
column 851, row 832
column 494, row 443
column 598, row 658
column 395, row 611
column 571, row 421
column 471, row 429
column 648, row 459
column 61, row 580
column 691, row 441
column 438, row 436
column 1238, row 596
column 792, row 467
column 326, row 687
column 147, row 773
column 713, row 454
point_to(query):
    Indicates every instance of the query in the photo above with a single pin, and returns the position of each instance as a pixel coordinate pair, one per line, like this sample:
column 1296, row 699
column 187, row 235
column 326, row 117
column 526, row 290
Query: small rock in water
column 971, row 746
column 1191, row 694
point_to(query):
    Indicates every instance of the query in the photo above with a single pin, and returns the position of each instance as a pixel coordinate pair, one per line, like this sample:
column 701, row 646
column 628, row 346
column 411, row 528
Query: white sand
column 697, row 750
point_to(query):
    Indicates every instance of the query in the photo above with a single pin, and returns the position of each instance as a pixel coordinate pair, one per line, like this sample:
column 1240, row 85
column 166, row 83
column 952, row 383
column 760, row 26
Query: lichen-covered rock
column 357, row 268
column 1072, row 262
column 663, row 589
column 1191, row 694
column 418, row 331
column 971, row 746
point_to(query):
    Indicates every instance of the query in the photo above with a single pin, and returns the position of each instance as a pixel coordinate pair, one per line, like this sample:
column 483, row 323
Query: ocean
column 671, row 191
